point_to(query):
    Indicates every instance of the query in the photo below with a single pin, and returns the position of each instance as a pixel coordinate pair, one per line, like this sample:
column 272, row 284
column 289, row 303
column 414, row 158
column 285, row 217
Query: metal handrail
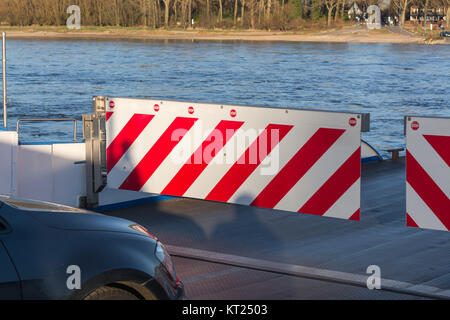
column 51, row 119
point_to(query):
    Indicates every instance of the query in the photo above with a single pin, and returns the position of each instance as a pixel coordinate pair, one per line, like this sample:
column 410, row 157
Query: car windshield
column 40, row 206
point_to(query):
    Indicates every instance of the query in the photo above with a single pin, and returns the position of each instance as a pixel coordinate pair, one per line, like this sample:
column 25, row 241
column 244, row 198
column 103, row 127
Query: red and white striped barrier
column 428, row 172
column 294, row 160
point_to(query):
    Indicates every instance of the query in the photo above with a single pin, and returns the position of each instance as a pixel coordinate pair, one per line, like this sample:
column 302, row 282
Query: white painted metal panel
column 296, row 160
column 68, row 173
column 428, row 172
column 34, row 172
column 50, row 172
column 8, row 148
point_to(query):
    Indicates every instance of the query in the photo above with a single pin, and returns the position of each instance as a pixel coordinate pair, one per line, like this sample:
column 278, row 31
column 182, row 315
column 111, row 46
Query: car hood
column 69, row 218
column 83, row 221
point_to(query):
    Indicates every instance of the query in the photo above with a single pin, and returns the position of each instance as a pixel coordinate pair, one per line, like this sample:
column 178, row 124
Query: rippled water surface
column 59, row 78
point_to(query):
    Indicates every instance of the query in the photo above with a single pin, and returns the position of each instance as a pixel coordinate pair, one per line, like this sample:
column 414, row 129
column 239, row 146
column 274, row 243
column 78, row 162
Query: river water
column 59, row 79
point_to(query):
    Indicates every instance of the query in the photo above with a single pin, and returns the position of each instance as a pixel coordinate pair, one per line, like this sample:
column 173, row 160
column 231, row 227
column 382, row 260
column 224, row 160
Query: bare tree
column 269, row 8
column 235, row 11
column 445, row 5
column 158, row 13
column 189, row 11
column 166, row 12
column 252, row 4
column 220, row 16
column 448, row 15
column 330, row 5
column 261, row 11
column 175, row 11
column 242, row 11
column 144, row 8
column 183, row 17
column 208, row 10
column 340, row 3
column 403, row 6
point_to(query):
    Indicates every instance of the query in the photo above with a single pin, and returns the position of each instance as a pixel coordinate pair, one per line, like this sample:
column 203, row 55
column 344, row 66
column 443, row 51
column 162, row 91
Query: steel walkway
column 418, row 257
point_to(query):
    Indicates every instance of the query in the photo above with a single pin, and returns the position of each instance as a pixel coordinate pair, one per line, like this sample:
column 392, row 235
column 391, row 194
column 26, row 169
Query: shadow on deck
column 380, row 238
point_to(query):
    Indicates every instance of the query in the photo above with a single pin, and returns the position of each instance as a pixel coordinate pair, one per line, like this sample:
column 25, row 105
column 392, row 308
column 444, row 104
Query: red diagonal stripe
column 297, row 167
column 442, row 146
column 200, row 159
column 410, row 222
column 108, row 115
column 247, row 163
column 157, row 153
column 356, row 216
column 427, row 190
column 335, row 186
column 125, row 138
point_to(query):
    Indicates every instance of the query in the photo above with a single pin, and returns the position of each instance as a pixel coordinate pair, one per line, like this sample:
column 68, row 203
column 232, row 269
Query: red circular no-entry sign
column 415, row 125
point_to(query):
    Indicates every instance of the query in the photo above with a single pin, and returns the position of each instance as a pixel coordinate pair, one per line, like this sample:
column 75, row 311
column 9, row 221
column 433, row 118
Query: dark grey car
column 49, row 251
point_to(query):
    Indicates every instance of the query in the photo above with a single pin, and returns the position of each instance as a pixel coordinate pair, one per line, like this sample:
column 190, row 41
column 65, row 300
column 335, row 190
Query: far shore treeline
column 224, row 14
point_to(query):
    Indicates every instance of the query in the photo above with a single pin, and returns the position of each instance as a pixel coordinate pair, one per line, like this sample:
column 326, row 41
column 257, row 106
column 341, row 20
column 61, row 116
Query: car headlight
column 163, row 256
